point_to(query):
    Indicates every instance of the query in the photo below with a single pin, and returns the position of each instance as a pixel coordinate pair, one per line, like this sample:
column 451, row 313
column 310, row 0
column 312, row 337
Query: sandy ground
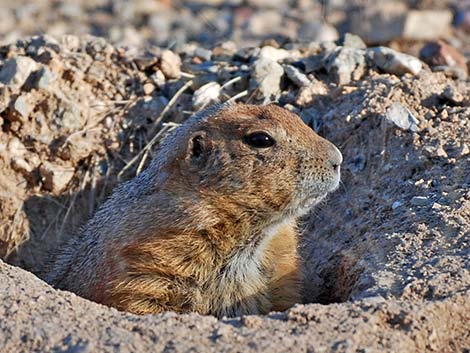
column 40, row 319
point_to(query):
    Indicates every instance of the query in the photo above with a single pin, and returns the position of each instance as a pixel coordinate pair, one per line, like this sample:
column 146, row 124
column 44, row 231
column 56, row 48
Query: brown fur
column 210, row 225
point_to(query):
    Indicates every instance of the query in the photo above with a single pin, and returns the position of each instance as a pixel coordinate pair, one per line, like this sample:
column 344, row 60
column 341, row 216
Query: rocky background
column 386, row 258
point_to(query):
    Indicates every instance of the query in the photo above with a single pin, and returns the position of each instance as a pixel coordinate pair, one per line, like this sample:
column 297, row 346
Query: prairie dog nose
column 335, row 157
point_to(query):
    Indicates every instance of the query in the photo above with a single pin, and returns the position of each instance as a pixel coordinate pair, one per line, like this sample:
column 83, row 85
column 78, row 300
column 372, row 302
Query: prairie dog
column 210, row 225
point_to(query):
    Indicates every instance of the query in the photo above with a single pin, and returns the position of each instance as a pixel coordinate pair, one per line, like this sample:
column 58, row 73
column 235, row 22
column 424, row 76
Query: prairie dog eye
column 260, row 140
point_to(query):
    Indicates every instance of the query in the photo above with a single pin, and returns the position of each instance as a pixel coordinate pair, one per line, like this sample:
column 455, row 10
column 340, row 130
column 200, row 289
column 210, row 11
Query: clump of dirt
column 78, row 115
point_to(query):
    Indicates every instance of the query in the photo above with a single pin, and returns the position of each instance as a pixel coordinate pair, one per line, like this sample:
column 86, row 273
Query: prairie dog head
column 263, row 159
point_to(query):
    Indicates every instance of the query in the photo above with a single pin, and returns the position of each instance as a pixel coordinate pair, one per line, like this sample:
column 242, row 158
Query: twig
column 149, row 145
column 232, row 81
column 170, row 104
column 187, row 75
column 142, row 151
column 142, row 162
column 237, row 96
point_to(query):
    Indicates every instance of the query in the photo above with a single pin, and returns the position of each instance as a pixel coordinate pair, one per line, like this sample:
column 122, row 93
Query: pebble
column 205, row 95
column 419, row 201
column 427, row 24
column 296, row 76
column 54, row 177
column 68, row 116
column 400, row 116
column 308, row 93
column 346, row 64
column 260, row 23
column 22, row 106
column 170, row 64
column 148, row 88
column 357, row 164
column 277, row 4
column 451, row 71
column 21, row 166
column 453, row 95
column 45, row 77
column 203, row 54
column 16, row 147
column 439, row 53
column 352, row 41
column 266, row 77
column 394, row 62
column 276, row 54
column 388, row 20
column 317, row 32
column 16, row 71
column 464, row 150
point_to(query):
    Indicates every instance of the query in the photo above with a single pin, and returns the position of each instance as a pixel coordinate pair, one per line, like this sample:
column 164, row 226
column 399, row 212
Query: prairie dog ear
column 200, row 147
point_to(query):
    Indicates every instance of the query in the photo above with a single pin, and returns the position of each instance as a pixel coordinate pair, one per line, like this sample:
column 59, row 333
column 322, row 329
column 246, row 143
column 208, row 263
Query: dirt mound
column 40, row 319
column 78, row 115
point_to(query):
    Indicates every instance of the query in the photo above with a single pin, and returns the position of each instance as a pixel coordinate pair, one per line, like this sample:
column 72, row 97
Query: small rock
column 313, row 63
column 263, row 22
column 462, row 19
column 148, row 88
column 170, row 64
column 464, row 150
column 317, row 32
column 308, row 93
column 70, row 42
column 346, row 64
column 296, row 76
column 275, row 54
column 394, row 62
column 68, row 116
column 16, row 147
column 378, row 23
column 419, row 201
column 357, row 163
column 399, row 115
column 45, row 76
column 16, row 71
column 435, row 151
column 224, row 51
column 21, row 166
column 205, row 95
column 389, row 20
column 55, row 177
column 452, row 95
column 23, row 107
column 145, row 62
column 145, row 110
column 203, row 54
column 78, row 147
column 427, row 24
column 266, row 77
column 158, row 79
column 439, row 53
column 453, row 72
column 352, row 41
column 277, row 4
